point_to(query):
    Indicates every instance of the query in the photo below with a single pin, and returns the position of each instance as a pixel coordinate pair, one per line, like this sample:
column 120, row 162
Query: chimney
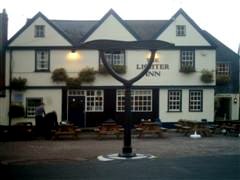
column 3, row 45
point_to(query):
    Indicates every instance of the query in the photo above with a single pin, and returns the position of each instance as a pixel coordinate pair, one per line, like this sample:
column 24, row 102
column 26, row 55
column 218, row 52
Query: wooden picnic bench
column 149, row 128
column 109, row 129
column 66, row 130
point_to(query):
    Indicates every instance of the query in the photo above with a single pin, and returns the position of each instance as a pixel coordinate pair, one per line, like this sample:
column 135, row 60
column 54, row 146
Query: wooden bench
column 149, row 128
column 64, row 131
column 109, row 129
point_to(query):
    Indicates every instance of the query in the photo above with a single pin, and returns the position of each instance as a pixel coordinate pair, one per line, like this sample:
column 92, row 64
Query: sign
column 155, row 69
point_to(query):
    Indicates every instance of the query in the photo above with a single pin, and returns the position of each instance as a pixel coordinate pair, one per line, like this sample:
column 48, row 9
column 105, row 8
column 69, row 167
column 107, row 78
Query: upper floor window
column 180, row 30
column 116, row 59
column 42, row 58
column 195, row 101
column 187, row 60
column 141, row 100
column 223, row 69
column 39, row 31
column 174, row 100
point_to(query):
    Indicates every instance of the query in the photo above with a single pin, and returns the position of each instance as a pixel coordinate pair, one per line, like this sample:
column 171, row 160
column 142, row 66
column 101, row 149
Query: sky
column 221, row 18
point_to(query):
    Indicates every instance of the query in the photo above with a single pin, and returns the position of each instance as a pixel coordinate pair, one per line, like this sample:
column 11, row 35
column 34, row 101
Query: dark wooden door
column 76, row 113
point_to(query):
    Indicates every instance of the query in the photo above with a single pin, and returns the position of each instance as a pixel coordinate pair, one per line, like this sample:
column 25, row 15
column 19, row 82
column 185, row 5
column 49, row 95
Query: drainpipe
column 10, row 88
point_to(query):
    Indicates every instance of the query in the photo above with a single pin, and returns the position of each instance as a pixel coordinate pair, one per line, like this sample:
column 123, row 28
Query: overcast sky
column 221, row 18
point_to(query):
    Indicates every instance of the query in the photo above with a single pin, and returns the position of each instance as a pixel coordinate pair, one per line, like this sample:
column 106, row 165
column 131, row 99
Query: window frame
column 37, row 69
column 110, row 59
column 32, row 98
column 135, row 97
column 181, row 32
column 180, row 101
column 199, row 101
column 39, row 33
column 223, row 72
column 184, row 58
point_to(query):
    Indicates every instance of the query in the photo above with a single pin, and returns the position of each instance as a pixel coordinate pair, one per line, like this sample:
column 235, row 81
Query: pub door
column 76, row 107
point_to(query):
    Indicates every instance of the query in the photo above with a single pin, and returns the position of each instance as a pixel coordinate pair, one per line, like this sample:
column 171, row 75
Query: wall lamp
column 235, row 100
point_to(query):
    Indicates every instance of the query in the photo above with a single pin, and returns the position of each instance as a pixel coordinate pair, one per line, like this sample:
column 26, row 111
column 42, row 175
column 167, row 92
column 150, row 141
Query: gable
column 111, row 27
column 193, row 36
column 25, row 37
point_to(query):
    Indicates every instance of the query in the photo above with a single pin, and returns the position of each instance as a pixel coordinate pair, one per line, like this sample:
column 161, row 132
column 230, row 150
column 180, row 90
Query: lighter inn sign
column 155, row 69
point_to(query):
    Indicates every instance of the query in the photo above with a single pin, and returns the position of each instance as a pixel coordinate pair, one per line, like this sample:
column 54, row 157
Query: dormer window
column 39, row 31
column 180, row 30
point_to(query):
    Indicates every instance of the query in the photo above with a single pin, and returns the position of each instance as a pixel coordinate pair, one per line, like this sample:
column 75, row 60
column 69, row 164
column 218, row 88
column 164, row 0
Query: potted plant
column 18, row 83
column 59, row 75
column 222, row 79
column 187, row 69
column 87, row 75
column 207, row 76
column 120, row 69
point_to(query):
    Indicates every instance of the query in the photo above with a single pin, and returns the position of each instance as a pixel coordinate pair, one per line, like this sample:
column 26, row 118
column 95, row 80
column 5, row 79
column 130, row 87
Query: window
column 180, row 30
column 195, row 101
column 223, row 69
column 114, row 57
column 31, row 104
column 39, row 31
column 188, row 60
column 141, row 100
column 94, row 99
column 42, row 60
column 174, row 100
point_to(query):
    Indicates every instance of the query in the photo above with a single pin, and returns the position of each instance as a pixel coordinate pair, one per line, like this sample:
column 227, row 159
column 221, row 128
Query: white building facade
column 172, row 89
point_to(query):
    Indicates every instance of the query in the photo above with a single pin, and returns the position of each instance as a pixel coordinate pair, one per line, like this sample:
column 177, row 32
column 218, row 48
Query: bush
column 86, row 75
column 16, row 111
column 59, row 75
column 207, row 76
column 18, row 83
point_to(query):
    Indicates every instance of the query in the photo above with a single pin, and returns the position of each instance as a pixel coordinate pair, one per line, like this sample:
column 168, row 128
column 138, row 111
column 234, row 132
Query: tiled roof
column 76, row 30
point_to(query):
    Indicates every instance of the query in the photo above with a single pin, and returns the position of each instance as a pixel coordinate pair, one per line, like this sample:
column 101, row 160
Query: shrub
column 86, row 75
column 207, row 76
column 59, row 75
column 18, row 83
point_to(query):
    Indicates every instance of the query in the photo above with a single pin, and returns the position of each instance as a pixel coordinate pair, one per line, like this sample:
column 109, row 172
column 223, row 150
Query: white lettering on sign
column 154, row 70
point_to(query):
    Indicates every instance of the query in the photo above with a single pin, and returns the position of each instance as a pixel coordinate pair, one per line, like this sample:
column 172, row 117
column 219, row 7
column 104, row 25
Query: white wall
column 208, row 107
column 52, row 37
column 4, row 108
column 111, row 29
column 192, row 38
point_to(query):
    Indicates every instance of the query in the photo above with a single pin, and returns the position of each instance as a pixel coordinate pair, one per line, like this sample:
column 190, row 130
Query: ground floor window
column 94, row 99
column 174, row 101
column 31, row 104
column 195, row 101
column 141, row 100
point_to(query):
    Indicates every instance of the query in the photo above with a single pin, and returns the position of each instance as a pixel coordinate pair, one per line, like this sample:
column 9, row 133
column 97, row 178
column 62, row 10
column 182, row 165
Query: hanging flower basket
column 73, row 82
column 187, row 69
column 222, row 79
column 87, row 75
column 18, row 83
column 59, row 75
column 207, row 76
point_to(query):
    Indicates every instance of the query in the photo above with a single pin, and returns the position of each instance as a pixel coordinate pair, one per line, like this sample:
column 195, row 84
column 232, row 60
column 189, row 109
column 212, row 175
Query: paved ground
column 173, row 145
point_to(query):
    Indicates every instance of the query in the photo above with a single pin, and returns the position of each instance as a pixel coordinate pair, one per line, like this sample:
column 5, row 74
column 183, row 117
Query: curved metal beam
column 121, row 79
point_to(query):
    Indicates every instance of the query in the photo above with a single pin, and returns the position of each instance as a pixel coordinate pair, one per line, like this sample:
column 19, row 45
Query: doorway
column 76, row 110
column 222, row 108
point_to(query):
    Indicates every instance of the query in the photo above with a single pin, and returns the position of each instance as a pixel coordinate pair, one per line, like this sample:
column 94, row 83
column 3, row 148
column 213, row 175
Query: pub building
column 194, row 76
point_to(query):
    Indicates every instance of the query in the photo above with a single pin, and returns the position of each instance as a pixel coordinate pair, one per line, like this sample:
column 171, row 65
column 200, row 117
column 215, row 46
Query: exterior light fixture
column 73, row 55
column 235, row 100
column 156, row 58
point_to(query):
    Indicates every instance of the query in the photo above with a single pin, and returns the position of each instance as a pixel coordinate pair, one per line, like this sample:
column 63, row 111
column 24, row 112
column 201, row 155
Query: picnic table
column 149, row 128
column 190, row 126
column 66, row 130
column 109, row 128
